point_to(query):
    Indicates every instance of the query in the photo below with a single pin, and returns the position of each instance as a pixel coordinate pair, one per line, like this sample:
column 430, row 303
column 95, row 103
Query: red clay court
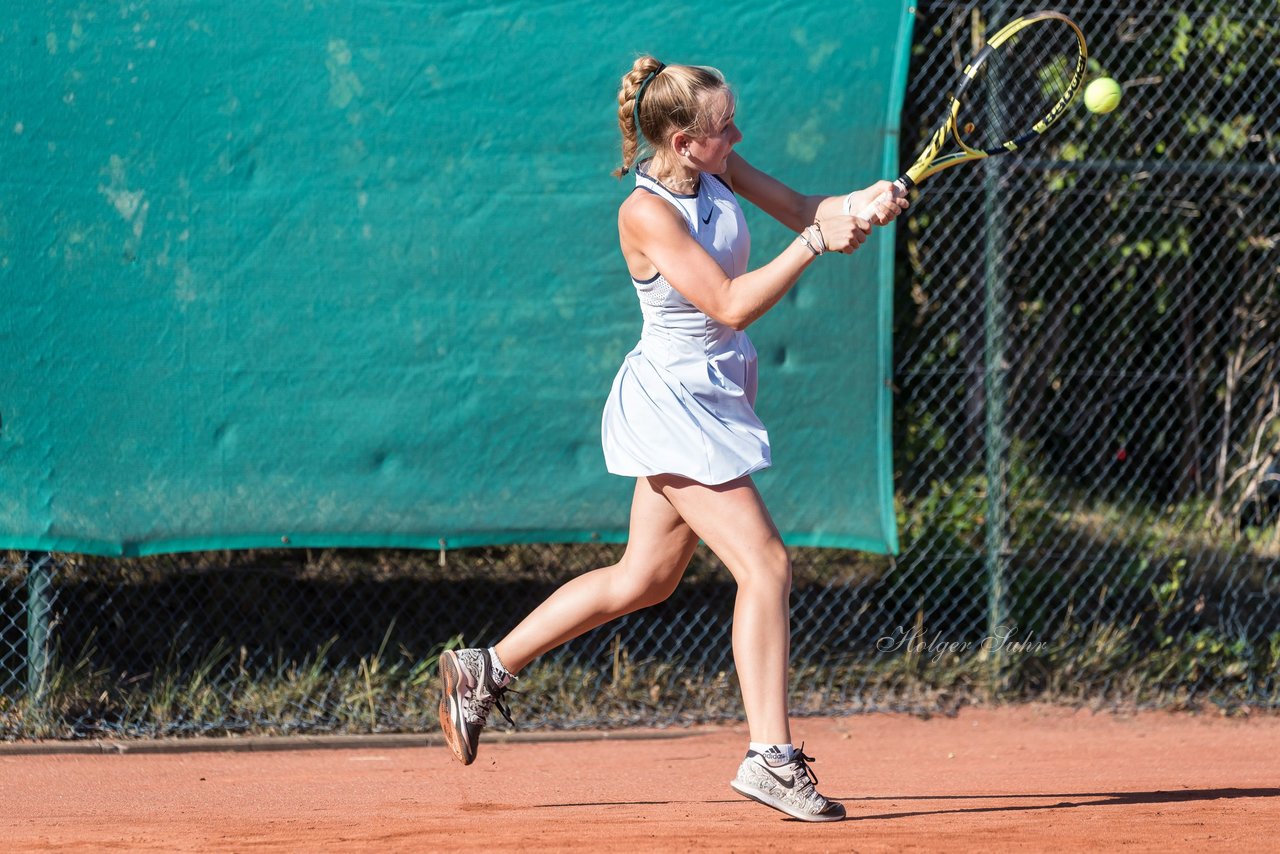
column 1026, row 778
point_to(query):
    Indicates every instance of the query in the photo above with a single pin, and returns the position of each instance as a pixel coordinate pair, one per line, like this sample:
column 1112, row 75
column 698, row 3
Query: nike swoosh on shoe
column 788, row 782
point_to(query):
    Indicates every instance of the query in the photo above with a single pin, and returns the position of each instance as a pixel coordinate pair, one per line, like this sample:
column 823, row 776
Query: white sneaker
column 785, row 784
column 467, row 694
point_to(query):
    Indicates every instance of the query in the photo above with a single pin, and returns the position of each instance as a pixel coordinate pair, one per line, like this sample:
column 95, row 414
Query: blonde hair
column 677, row 98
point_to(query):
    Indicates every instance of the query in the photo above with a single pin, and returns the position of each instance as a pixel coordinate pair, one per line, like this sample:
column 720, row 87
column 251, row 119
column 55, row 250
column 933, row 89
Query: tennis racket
column 1010, row 93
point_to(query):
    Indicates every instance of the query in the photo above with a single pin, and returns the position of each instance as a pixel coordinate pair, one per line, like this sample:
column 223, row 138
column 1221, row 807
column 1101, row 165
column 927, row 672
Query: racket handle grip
column 899, row 189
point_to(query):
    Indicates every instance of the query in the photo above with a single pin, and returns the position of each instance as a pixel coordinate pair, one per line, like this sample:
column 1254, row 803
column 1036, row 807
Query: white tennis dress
column 683, row 401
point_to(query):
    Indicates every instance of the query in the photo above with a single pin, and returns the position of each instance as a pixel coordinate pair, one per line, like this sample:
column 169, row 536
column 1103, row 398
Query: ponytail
column 642, row 73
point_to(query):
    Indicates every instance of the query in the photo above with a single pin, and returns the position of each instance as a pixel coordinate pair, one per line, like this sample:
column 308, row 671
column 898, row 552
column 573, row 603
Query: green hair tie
column 640, row 93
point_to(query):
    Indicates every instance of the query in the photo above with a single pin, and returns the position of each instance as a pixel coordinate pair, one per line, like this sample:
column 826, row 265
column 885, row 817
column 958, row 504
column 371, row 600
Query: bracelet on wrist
column 812, row 237
column 822, row 238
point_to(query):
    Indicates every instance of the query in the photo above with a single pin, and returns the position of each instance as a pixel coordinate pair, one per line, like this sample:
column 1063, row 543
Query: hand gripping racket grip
column 900, row 188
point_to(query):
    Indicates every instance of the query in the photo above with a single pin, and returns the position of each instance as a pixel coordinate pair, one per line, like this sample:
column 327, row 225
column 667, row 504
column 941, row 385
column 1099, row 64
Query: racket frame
column 929, row 163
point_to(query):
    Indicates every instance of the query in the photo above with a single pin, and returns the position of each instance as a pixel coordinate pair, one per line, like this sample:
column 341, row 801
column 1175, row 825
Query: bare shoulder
column 643, row 212
column 643, row 221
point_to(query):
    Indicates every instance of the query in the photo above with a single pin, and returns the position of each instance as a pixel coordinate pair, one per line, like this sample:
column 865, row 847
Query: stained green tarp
column 346, row 273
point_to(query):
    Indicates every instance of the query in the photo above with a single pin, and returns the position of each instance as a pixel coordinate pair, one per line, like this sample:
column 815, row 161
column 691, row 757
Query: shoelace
column 504, row 709
column 482, row 707
column 803, row 761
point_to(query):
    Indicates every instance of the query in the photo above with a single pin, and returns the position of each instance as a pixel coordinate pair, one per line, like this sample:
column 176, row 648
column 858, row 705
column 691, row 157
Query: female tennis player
column 680, row 416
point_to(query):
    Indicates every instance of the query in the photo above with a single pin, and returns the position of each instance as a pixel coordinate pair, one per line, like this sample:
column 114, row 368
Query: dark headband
column 640, row 93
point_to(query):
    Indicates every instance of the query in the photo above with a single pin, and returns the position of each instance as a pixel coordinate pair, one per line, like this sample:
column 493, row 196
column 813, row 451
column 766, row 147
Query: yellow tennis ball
column 1102, row 95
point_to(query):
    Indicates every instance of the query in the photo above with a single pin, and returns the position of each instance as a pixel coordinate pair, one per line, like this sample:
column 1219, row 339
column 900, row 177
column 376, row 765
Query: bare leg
column 658, row 550
column 734, row 523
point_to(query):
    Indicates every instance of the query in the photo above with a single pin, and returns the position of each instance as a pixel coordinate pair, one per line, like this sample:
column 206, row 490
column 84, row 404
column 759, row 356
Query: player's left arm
column 797, row 210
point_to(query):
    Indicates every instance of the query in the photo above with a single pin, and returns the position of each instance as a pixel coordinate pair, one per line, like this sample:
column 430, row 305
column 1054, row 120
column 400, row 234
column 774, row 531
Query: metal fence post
column 993, row 358
column 994, row 441
column 38, row 607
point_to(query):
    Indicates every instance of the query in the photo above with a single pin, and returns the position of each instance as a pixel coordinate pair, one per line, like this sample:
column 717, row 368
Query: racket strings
column 1019, row 84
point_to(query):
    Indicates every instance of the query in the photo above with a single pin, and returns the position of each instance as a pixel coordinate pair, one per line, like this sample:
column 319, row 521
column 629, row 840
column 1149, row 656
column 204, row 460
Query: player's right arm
column 655, row 239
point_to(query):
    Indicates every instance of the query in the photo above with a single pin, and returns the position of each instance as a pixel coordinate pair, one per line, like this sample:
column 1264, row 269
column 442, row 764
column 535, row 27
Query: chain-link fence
column 1087, row 430
column 1088, row 365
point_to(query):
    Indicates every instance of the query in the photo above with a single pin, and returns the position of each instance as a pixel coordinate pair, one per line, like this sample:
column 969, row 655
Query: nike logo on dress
column 707, row 219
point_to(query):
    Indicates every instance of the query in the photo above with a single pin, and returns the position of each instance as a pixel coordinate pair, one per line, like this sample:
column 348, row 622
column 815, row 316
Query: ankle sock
column 500, row 674
column 773, row 754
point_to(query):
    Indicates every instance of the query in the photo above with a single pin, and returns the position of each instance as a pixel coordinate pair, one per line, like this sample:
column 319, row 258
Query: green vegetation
column 220, row 695
column 1135, row 644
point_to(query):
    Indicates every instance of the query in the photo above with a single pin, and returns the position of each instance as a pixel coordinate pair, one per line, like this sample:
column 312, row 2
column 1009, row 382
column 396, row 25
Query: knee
column 642, row 587
column 658, row 588
column 770, row 569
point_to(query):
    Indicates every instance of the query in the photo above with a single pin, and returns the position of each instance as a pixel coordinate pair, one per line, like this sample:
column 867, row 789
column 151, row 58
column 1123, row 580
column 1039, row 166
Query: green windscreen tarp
column 346, row 273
